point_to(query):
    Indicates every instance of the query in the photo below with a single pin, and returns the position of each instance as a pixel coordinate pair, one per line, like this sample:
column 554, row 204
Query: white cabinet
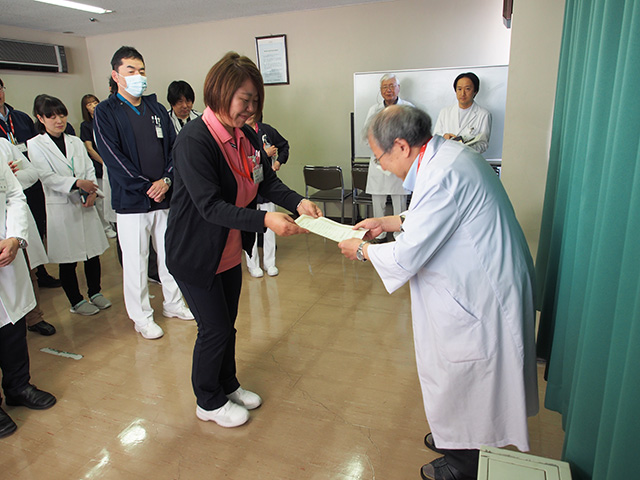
column 499, row 464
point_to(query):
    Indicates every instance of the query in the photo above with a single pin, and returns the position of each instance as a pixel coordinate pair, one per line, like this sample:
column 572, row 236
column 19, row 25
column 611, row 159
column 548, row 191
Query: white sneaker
column 110, row 232
column 182, row 312
column 256, row 272
column 245, row 398
column 150, row 331
column 272, row 271
column 228, row 415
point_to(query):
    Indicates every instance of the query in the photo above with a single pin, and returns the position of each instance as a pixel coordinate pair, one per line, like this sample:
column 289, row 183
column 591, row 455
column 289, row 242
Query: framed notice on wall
column 272, row 59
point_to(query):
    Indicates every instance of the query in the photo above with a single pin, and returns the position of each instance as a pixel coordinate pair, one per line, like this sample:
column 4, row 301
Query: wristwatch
column 168, row 181
column 402, row 219
column 360, row 252
column 22, row 243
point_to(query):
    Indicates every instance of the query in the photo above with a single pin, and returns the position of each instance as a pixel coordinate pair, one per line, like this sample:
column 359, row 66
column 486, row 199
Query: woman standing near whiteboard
column 466, row 122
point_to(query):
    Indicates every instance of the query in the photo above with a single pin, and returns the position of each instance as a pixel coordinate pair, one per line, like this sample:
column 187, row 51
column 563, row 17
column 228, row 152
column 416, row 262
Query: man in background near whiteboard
column 381, row 183
column 467, row 122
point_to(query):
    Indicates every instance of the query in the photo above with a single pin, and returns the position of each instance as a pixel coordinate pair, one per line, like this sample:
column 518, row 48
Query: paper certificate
column 329, row 229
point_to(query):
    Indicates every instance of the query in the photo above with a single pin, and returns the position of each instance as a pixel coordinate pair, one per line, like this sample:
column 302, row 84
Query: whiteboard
column 431, row 90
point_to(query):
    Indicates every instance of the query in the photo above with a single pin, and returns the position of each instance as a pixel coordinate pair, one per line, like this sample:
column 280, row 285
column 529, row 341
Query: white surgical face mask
column 136, row 85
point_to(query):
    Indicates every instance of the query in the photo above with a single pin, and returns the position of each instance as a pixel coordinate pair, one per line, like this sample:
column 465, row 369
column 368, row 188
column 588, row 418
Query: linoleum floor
column 328, row 349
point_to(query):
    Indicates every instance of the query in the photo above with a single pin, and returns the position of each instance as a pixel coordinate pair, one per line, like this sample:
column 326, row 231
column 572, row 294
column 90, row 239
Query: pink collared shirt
column 232, row 147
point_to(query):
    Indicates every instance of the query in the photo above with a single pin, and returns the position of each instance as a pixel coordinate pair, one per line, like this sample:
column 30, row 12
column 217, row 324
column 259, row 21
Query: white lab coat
column 74, row 232
column 27, row 175
column 16, row 292
column 475, row 130
column 109, row 214
column 471, row 277
column 380, row 182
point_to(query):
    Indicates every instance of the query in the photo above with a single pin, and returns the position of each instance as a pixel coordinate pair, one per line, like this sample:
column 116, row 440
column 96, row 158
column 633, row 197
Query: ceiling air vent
column 39, row 57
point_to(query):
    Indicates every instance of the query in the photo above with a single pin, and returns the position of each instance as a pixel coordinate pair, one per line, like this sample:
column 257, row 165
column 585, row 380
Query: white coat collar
column 49, row 143
column 432, row 147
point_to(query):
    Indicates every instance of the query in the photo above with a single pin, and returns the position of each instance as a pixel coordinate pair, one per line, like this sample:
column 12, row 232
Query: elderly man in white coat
column 16, row 300
column 471, row 276
column 381, row 183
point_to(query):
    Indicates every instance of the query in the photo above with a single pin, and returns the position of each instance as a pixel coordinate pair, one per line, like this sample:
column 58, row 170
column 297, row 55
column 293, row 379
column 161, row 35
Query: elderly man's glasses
column 376, row 160
column 388, row 87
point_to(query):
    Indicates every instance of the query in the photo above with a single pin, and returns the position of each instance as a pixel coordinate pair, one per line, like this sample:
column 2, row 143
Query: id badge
column 258, row 174
column 22, row 147
column 159, row 133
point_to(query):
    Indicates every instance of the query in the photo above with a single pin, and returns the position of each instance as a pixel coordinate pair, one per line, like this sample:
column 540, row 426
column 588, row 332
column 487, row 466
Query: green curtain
column 588, row 262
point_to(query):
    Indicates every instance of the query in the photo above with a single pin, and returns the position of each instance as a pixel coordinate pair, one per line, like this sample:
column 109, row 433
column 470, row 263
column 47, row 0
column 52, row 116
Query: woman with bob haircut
column 74, row 231
column 213, row 217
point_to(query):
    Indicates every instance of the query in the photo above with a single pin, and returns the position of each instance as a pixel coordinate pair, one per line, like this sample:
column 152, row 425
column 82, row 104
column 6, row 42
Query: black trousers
column 213, row 373
column 14, row 357
column 466, row 461
column 69, row 279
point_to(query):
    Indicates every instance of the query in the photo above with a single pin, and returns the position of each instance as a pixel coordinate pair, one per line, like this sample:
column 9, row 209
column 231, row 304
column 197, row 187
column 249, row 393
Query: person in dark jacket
column 219, row 171
column 18, row 127
column 134, row 138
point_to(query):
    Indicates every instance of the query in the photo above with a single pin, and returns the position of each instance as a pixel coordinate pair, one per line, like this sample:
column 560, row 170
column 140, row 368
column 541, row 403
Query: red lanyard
column 10, row 125
column 245, row 163
column 422, row 150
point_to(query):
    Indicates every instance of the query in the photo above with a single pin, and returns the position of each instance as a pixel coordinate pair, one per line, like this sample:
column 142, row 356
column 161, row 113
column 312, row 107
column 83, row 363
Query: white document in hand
column 328, row 228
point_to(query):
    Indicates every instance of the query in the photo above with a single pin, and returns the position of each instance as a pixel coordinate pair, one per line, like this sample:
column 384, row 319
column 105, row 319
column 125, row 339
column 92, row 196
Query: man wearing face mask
column 134, row 137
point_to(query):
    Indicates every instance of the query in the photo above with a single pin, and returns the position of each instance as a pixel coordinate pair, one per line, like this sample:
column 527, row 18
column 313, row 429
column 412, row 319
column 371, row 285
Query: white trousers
column 134, row 231
column 268, row 245
column 379, row 202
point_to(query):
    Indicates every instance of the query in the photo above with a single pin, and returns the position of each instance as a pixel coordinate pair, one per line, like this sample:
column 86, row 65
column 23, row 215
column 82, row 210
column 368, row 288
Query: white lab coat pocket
column 462, row 335
column 57, row 198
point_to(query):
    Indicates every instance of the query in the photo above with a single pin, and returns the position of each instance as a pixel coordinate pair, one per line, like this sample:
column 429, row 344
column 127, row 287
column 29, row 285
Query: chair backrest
column 323, row 178
column 359, row 174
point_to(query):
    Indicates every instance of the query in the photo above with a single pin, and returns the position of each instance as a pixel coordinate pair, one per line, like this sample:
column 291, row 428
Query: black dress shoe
column 430, row 444
column 7, row 426
column 43, row 328
column 47, row 281
column 33, row 398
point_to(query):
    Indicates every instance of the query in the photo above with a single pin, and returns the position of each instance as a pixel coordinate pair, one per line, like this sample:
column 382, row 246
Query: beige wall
column 22, row 87
column 533, row 71
column 326, row 47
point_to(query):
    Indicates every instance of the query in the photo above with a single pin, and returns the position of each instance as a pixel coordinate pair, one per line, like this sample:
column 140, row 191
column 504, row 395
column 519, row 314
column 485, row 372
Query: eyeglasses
column 376, row 160
column 388, row 87
column 3, row 88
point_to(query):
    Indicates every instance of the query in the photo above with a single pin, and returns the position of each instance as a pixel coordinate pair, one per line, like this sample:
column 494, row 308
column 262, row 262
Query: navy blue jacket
column 117, row 146
column 23, row 127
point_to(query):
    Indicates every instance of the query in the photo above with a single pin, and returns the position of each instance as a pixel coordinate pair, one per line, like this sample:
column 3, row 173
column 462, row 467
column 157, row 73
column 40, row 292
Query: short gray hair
column 400, row 121
column 389, row 76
